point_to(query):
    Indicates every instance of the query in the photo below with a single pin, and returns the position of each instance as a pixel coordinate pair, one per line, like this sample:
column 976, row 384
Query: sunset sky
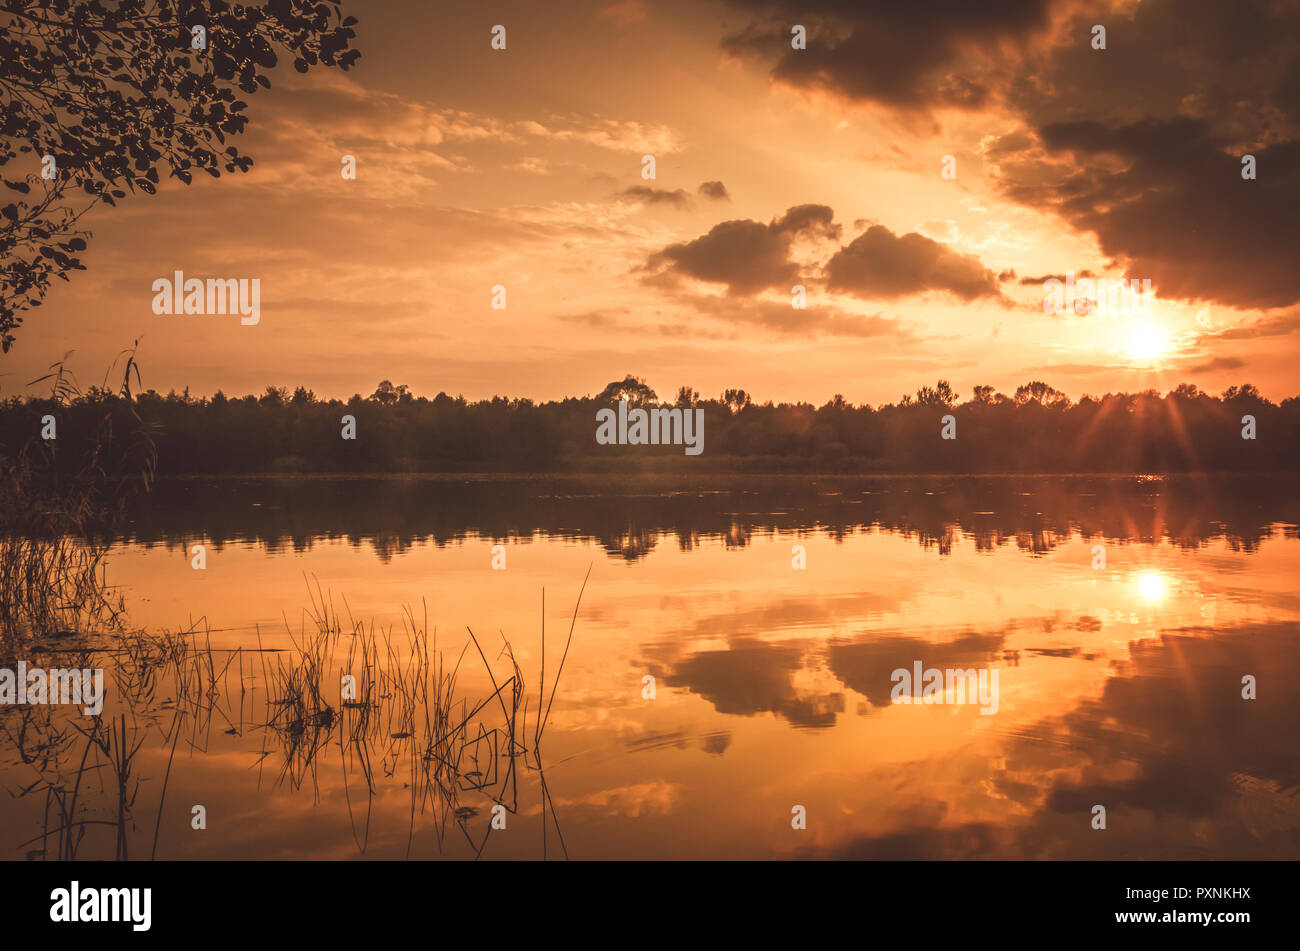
column 775, row 166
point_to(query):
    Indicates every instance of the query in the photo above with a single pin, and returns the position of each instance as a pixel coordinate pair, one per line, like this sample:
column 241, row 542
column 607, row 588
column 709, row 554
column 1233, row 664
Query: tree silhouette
column 100, row 98
column 291, row 430
column 631, row 388
column 735, row 399
column 388, row 395
column 1038, row 392
column 940, row 395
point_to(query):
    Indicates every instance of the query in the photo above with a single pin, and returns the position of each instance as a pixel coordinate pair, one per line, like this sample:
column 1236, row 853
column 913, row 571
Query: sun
column 1149, row 342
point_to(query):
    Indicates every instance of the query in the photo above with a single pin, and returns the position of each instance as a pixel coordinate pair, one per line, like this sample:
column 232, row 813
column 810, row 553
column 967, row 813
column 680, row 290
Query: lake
column 732, row 659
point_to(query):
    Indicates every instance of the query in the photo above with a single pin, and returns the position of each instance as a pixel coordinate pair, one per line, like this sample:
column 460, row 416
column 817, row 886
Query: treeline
column 1036, row 429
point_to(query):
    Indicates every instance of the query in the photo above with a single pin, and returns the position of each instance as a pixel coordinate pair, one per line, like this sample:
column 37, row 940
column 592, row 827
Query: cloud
column 648, row 195
column 1141, row 144
column 1218, row 363
column 1050, row 277
column 595, row 318
column 910, row 56
column 1277, row 326
column 881, row 265
column 715, row 191
column 748, row 256
column 1233, row 67
column 620, row 135
column 814, row 219
column 406, row 146
column 1166, row 198
column 531, row 164
column 815, row 320
column 941, row 229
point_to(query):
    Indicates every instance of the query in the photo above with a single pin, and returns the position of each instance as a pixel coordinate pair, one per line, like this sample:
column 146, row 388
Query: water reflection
column 712, row 684
column 630, row 518
column 1186, row 767
column 1152, row 586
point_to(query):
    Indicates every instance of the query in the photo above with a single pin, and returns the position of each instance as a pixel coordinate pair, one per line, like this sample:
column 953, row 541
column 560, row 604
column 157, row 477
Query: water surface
column 1118, row 685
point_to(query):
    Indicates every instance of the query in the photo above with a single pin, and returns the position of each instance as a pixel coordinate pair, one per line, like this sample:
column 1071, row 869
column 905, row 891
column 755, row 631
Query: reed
column 405, row 717
column 59, row 510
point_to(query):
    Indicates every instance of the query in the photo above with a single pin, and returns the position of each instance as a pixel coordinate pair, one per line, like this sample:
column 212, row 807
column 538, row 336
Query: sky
column 821, row 167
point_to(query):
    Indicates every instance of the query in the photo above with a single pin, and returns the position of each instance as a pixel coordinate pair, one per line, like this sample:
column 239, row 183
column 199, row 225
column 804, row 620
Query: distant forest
column 1036, row 429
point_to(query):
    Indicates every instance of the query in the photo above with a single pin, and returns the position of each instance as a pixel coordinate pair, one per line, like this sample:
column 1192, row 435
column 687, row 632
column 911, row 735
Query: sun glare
column 1152, row 586
column 1149, row 342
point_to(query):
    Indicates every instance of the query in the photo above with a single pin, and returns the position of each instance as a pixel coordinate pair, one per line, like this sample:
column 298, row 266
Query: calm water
column 1119, row 686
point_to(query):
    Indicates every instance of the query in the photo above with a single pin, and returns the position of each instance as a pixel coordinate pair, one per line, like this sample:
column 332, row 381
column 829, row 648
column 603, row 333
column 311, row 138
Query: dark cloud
column 917, row 55
column 748, row 256
column 715, row 191
column 881, row 265
column 1141, row 144
column 751, row 257
column 745, row 255
column 1232, row 65
column 657, row 196
column 814, row 219
column 1167, row 199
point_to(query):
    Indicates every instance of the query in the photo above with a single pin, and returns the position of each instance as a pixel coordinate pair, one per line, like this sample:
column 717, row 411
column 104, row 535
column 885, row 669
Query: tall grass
column 404, row 718
column 60, row 501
